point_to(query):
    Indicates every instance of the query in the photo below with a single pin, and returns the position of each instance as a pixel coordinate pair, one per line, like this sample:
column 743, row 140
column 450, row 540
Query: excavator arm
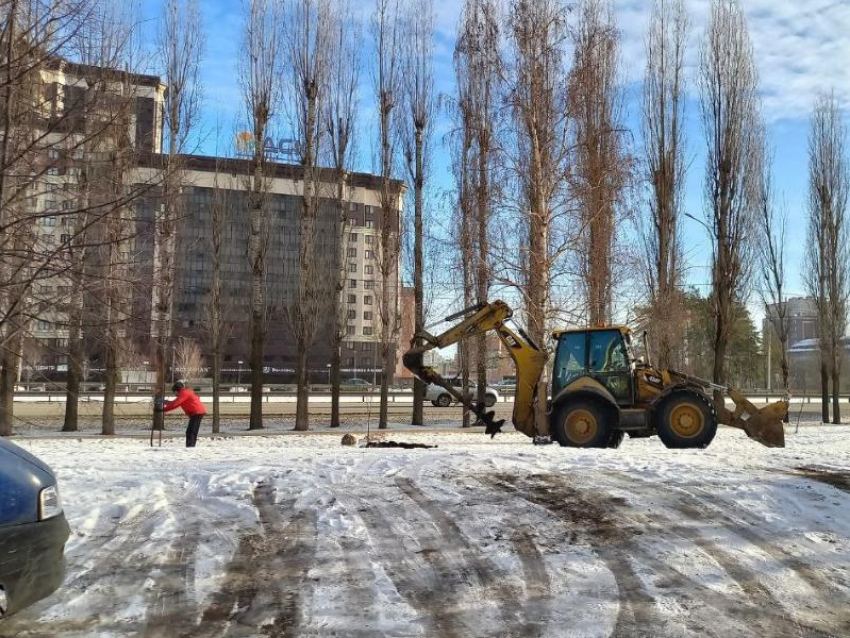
column 526, row 355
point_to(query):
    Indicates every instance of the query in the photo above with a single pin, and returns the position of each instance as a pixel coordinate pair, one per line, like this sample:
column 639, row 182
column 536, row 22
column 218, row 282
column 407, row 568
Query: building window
column 367, row 363
column 349, row 330
column 352, row 314
column 370, row 254
column 49, row 221
column 368, row 239
column 368, row 285
column 369, row 270
column 349, row 363
column 367, row 300
column 365, row 347
column 367, row 331
column 352, row 252
column 370, row 223
column 367, row 316
column 353, row 237
column 352, row 298
column 352, row 283
column 352, row 267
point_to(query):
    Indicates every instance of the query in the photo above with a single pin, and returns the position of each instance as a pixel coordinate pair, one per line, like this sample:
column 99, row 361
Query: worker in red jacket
column 193, row 408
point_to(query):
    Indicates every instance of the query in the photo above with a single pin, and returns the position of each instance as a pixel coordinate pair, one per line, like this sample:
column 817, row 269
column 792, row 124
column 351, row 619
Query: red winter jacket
column 187, row 400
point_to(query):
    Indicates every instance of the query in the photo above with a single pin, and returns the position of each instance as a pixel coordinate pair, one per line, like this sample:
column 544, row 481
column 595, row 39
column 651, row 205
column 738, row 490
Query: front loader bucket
column 762, row 425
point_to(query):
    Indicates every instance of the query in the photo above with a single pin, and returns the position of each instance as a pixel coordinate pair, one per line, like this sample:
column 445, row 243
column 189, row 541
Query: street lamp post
column 328, row 366
column 239, row 373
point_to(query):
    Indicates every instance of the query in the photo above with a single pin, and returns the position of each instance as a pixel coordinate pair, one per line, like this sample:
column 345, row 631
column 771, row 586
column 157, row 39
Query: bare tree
column 536, row 93
column 664, row 155
column 600, row 168
column 418, row 75
column 386, row 32
column 218, row 311
column 479, row 71
column 260, row 75
column 772, row 226
column 188, row 359
column 67, row 90
column 180, row 49
column 730, row 115
column 309, row 32
column 827, row 275
column 341, row 127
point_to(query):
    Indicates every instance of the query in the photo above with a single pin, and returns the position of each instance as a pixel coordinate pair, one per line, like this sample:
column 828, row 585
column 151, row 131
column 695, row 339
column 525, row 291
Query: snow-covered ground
column 298, row 536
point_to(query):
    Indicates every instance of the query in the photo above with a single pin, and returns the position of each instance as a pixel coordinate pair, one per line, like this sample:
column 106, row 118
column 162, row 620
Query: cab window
column 608, row 352
column 571, row 360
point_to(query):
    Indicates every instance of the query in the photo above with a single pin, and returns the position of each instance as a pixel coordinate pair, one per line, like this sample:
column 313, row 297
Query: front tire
column 443, row 401
column 686, row 420
column 582, row 424
column 489, row 400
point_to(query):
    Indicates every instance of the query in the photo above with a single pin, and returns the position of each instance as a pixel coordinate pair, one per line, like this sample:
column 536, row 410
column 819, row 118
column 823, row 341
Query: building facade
column 345, row 249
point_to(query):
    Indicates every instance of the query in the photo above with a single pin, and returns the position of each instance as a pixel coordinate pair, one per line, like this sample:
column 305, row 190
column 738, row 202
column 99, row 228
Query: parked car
column 356, row 383
column 33, row 530
column 442, row 399
column 506, row 384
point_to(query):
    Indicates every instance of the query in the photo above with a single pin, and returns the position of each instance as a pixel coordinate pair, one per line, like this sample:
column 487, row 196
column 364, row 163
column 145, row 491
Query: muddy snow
column 297, row 536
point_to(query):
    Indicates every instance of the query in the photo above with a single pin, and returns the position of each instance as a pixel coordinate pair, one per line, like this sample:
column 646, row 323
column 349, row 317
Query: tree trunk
column 216, row 373
column 386, row 359
column 836, row 393
column 75, row 377
column 336, row 362
column 256, row 361
column 418, row 281
column 302, row 406
column 111, row 387
column 7, row 388
column 786, row 374
column 718, row 376
column 824, row 391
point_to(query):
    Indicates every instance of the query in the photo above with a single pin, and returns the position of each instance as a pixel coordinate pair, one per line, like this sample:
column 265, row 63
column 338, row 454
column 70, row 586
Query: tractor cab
column 590, row 356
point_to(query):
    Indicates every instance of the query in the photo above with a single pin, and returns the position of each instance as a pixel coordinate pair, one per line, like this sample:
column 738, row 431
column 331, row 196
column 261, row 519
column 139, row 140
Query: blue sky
column 801, row 47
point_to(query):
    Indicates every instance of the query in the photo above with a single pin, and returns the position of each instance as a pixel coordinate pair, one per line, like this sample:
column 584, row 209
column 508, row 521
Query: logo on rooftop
column 281, row 148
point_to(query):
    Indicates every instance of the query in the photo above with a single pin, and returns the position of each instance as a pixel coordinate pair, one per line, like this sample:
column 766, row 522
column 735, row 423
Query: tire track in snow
column 635, row 617
column 740, row 521
column 470, row 557
column 170, row 611
column 429, row 592
column 264, row 581
column 621, row 526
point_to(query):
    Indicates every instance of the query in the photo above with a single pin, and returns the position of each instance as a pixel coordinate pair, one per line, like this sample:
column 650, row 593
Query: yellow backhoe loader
column 599, row 391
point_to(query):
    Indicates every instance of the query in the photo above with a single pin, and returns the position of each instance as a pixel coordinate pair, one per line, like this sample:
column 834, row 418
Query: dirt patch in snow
column 836, row 478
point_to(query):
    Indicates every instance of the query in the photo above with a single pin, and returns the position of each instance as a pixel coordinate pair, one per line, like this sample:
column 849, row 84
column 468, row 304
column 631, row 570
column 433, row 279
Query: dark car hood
column 8, row 446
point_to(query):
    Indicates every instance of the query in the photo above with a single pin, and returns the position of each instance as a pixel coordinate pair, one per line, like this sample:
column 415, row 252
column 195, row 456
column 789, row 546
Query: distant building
column 804, row 360
column 802, row 317
column 358, row 257
column 193, row 278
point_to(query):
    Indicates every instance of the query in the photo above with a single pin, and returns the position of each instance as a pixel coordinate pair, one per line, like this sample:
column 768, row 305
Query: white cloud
column 800, row 47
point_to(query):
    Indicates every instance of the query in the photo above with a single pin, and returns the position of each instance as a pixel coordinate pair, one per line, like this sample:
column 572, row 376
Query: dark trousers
column 192, row 429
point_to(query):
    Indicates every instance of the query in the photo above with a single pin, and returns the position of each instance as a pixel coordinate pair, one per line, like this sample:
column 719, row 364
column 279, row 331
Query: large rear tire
column 583, row 424
column 686, row 419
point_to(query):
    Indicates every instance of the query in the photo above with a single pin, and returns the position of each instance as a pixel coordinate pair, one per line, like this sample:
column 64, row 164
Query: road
column 295, row 536
column 135, row 417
